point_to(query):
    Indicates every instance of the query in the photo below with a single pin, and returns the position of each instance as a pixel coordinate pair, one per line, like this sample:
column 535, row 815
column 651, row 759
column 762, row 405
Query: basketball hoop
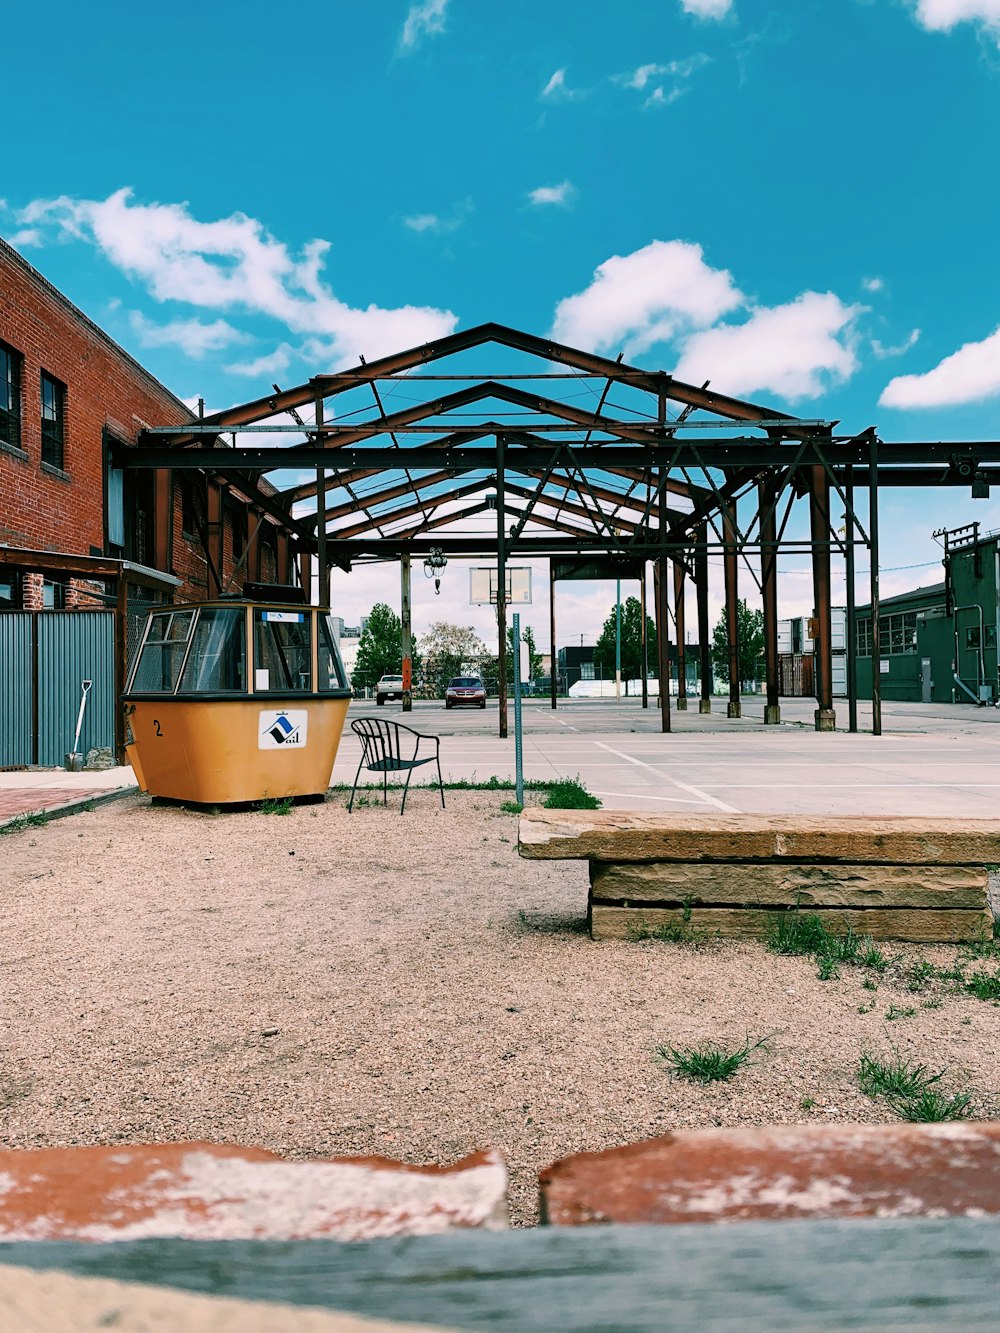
column 484, row 585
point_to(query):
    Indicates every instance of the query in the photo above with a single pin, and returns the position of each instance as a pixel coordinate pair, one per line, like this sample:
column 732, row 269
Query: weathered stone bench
column 915, row 879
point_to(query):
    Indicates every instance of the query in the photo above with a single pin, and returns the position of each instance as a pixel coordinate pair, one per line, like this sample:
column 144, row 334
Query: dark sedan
column 465, row 691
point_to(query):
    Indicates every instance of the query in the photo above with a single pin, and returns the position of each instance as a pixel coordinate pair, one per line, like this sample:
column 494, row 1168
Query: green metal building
column 939, row 643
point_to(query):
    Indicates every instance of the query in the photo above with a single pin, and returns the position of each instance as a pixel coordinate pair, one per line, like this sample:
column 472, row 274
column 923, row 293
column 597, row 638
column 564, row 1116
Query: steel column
column 679, row 625
column 660, row 614
column 214, row 539
column 729, row 560
column 554, row 660
column 501, row 590
column 644, row 639
column 820, row 531
column 852, row 618
column 406, row 632
column 767, row 498
column 322, row 564
column 873, row 562
column 704, row 630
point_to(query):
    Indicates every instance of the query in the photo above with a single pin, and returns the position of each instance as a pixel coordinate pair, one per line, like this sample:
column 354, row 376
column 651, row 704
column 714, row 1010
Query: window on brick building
column 10, row 396
column 192, row 503
column 54, row 594
column 10, row 590
column 53, row 421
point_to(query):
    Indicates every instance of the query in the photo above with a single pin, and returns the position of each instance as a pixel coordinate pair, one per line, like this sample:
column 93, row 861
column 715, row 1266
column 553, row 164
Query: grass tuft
column 898, row 1011
column 896, row 1077
column 796, row 933
column 570, row 794
column 511, row 807
column 932, row 1106
column 20, row 822
column 983, row 985
column 707, row 1063
column 272, row 805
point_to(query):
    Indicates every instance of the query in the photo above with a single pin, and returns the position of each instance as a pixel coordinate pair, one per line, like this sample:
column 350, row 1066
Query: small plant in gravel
column 807, row 1103
column 828, row 969
column 932, row 1106
column 272, row 805
column 983, row 985
column 871, row 956
column 21, row 822
column 896, row 1011
column 919, row 975
column 795, row 932
column 707, row 1063
column 570, row 794
column 668, row 932
column 895, row 1077
column 511, row 807
column 985, row 945
column 869, row 983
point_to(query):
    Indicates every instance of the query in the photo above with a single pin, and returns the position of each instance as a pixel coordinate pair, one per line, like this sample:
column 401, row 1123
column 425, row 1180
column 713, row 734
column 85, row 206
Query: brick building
column 70, row 398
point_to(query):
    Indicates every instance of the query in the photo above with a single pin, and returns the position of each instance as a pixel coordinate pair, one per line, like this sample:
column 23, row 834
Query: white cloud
column 440, row 223
column 707, row 9
column 873, row 284
column 426, row 18
column 234, row 263
column 666, row 293
column 967, row 376
column 27, row 236
column 794, row 350
column 673, row 69
column 943, row 15
column 553, row 194
column 558, row 90
column 271, row 363
column 193, row 337
column 660, row 98
column 649, row 296
column 882, row 351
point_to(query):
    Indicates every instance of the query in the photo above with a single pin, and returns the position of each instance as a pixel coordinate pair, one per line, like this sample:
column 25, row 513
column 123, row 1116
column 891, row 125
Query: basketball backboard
column 484, row 584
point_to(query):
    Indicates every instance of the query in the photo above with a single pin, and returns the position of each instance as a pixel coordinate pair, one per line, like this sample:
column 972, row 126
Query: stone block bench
column 922, row 880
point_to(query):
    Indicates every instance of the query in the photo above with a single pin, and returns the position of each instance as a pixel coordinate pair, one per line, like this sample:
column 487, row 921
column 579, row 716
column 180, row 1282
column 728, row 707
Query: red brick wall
column 106, row 391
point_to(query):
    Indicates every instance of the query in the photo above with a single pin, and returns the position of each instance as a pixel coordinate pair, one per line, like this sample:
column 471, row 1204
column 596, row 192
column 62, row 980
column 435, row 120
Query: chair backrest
column 379, row 739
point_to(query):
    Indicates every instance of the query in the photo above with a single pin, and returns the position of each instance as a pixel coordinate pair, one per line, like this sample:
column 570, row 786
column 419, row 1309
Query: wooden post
column 214, row 538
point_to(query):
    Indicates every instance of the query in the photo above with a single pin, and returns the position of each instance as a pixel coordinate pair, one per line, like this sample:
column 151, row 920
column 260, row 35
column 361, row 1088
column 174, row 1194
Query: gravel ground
column 432, row 994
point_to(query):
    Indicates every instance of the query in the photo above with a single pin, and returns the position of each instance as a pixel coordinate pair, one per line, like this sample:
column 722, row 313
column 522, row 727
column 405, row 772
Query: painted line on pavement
column 684, row 786
column 647, row 796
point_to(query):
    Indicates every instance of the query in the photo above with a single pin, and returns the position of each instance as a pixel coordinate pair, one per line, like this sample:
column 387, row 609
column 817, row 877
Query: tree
column 534, row 656
column 380, row 650
column 449, row 650
column 604, row 652
column 751, row 632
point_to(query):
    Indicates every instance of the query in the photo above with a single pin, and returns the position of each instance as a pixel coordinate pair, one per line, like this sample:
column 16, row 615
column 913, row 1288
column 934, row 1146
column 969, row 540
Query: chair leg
column 440, row 781
column 406, row 788
column 350, row 806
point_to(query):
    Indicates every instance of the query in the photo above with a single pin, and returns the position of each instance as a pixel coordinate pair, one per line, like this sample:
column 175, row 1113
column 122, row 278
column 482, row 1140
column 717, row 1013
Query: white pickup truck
column 389, row 687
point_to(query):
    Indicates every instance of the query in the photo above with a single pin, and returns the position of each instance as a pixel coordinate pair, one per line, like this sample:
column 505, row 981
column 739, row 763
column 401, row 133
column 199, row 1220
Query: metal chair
column 381, row 752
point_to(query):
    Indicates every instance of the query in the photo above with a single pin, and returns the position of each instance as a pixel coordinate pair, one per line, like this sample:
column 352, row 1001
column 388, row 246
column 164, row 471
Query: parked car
column 389, row 687
column 465, row 691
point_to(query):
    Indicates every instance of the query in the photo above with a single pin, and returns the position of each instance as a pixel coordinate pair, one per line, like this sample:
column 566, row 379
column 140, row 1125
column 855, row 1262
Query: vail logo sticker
column 283, row 729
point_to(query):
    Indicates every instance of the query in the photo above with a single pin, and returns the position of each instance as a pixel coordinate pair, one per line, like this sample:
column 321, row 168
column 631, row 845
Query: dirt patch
column 322, row 983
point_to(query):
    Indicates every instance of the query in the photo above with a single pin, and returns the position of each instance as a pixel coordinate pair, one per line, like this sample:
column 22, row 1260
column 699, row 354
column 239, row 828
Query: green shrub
column 570, row 794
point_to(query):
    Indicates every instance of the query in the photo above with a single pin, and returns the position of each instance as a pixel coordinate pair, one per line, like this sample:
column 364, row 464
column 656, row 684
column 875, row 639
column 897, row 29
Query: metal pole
column 662, row 614
column 501, row 591
column 518, row 750
column 852, row 617
column 734, row 707
column 873, row 552
column 618, row 640
column 407, row 633
column 323, row 568
column 644, row 638
column 767, row 498
column 820, row 533
column 704, row 631
column 680, row 626
column 554, row 662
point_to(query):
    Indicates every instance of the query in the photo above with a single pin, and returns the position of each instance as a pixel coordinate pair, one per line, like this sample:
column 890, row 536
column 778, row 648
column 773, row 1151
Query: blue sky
column 797, row 201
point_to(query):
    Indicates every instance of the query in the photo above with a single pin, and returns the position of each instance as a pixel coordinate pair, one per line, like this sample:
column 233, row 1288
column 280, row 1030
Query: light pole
column 618, row 640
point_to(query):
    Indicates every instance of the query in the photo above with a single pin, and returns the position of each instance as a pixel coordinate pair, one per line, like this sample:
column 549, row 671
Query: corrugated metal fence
column 48, row 655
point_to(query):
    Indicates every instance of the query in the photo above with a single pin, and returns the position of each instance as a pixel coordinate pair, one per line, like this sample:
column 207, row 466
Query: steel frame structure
column 661, row 478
